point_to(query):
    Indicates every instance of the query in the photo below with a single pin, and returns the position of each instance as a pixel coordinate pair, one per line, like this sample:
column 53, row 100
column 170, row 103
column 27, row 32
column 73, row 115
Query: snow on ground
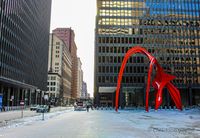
column 28, row 120
column 108, row 124
column 166, row 123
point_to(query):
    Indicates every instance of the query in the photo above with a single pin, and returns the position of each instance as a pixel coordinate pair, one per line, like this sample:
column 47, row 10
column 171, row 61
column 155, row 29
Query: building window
column 57, row 43
column 53, row 83
column 53, row 78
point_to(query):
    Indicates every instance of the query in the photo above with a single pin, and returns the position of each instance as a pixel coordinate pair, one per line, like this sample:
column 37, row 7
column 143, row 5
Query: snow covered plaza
column 107, row 124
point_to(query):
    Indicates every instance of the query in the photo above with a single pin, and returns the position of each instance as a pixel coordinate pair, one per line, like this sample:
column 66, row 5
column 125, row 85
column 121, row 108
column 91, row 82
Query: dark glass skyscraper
column 168, row 29
column 24, row 37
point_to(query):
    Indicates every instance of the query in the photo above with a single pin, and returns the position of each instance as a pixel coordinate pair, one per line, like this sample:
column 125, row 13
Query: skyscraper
column 80, row 78
column 68, row 36
column 169, row 30
column 84, row 90
column 59, row 71
column 24, row 37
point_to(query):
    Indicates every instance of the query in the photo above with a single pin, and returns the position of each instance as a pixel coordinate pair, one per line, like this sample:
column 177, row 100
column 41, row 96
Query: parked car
column 42, row 109
column 79, row 106
column 34, row 107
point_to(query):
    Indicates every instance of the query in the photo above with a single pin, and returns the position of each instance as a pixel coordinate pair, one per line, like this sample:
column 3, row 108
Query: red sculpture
column 161, row 80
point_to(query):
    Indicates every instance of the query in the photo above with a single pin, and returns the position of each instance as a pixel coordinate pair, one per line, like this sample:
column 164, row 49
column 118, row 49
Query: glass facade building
column 168, row 29
column 24, row 38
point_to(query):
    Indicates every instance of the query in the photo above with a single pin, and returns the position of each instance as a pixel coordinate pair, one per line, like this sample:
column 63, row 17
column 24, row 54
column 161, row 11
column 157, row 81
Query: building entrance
column 134, row 97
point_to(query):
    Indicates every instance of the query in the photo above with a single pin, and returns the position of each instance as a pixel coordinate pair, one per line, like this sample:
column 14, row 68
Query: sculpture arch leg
column 158, row 99
column 148, row 85
column 119, row 82
column 175, row 94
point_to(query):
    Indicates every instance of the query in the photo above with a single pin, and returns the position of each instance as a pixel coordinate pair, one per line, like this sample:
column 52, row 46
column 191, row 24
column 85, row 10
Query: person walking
column 49, row 107
column 87, row 108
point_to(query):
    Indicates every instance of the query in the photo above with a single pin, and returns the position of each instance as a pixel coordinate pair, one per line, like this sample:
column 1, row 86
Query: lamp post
column 46, row 97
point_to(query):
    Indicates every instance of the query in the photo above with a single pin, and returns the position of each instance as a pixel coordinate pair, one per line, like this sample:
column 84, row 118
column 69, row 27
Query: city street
column 109, row 124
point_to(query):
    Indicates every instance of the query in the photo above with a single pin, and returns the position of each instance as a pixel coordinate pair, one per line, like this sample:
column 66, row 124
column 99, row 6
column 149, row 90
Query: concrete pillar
column 1, row 89
column 25, row 97
column 97, row 99
column 15, row 96
column 190, row 96
column 22, row 96
column 18, row 96
column 168, row 100
column 113, row 99
column 2, row 93
column 30, row 98
column 12, row 96
column 8, row 98
column 144, row 98
column 36, row 96
column 122, row 99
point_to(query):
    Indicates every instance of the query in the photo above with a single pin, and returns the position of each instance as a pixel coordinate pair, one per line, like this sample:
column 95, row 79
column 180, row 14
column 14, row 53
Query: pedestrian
column 87, row 108
column 49, row 107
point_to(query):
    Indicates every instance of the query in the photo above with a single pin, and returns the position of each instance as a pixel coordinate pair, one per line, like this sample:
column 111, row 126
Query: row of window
column 140, row 3
column 51, row 77
column 177, row 40
column 119, row 59
column 141, row 79
column 51, row 89
column 51, row 83
column 128, row 69
column 113, row 79
column 179, row 71
column 122, row 40
column 176, row 53
column 137, row 12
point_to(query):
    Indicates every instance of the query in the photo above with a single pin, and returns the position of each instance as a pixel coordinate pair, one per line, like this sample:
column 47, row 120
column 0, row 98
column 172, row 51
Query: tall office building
column 24, row 37
column 84, row 90
column 59, row 71
column 68, row 36
column 169, row 30
column 80, row 78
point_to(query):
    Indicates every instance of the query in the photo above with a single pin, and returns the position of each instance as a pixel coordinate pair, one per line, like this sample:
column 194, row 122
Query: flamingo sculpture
column 161, row 80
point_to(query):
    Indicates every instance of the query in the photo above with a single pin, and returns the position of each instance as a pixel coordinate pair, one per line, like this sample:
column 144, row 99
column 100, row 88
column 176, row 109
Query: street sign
column 22, row 103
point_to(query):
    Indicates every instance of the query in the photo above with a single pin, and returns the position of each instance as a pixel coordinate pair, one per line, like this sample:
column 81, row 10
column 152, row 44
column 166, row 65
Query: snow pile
column 29, row 120
column 165, row 123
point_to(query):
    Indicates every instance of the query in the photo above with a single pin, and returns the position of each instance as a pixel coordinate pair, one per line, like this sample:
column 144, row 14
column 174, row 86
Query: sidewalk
column 17, row 114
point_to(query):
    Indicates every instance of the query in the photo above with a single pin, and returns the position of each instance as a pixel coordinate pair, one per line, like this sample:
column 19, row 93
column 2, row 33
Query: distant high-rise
column 59, row 71
column 167, row 29
column 84, row 90
column 24, row 37
column 80, row 78
column 68, row 36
